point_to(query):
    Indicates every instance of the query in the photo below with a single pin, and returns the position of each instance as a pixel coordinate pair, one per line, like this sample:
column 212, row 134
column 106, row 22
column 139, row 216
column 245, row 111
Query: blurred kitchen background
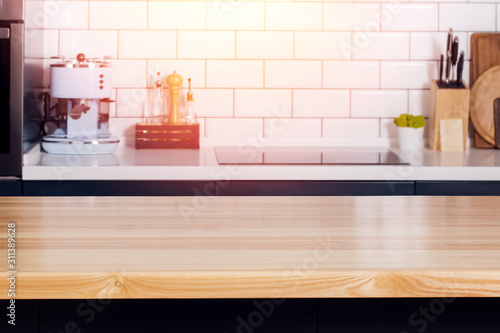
column 333, row 70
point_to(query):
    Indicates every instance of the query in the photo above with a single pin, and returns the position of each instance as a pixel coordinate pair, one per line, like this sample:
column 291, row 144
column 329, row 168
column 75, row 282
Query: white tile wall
column 322, row 45
column 325, row 103
column 206, row 44
column 263, row 103
column 93, row 43
column 264, row 45
column 292, row 128
column 235, row 15
column 332, row 69
column 381, row 45
column 351, row 74
column 467, row 17
column 41, row 43
column 351, row 16
column 293, row 16
column 293, row 74
column 118, row 14
column 235, row 74
column 351, row 128
column 176, row 15
column 56, row 14
column 408, row 75
column 409, row 17
column 137, row 44
column 379, row 103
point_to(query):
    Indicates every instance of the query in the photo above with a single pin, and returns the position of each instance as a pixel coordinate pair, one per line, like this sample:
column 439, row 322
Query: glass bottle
column 158, row 103
column 190, row 114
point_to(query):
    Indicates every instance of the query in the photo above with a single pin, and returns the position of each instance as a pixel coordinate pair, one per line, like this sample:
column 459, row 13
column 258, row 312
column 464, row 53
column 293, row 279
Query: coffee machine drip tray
column 62, row 144
column 307, row 156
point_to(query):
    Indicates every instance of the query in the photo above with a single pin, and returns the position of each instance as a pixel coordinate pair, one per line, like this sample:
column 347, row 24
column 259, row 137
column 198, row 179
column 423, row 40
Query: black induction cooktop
column 306, row 156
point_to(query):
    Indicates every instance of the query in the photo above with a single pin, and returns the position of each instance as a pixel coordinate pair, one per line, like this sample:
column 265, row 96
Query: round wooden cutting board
column 483, row 94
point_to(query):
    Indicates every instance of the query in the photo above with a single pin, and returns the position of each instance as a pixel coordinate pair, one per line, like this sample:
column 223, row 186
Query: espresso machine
column 83, row 88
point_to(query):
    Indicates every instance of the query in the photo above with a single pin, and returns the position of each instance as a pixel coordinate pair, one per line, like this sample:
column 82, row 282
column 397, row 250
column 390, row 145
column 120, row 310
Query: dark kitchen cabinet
column 25, row 316
column 11, row 188
column 313, row 188
column 118, row 188
column 430, row 315
column 457, row 188
column 179, row 316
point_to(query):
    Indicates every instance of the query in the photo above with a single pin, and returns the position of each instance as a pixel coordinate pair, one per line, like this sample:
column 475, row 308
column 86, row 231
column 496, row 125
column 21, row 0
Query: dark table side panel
column 457, row 188
column 25, row 316
column 312, row 188
column 117, row 188
column 179, row 316
column 11, row 188
column 417, row 315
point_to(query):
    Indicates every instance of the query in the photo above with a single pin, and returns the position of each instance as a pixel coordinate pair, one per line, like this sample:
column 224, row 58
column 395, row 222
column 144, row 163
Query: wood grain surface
column 482, row 99
column 245, row 247
column 485, row 53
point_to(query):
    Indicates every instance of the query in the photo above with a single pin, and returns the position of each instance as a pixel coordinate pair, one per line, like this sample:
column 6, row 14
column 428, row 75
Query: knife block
column 447, row 104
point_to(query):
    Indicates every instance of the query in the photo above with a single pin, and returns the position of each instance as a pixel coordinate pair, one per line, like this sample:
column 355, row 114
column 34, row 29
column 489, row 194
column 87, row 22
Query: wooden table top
column 246, row 247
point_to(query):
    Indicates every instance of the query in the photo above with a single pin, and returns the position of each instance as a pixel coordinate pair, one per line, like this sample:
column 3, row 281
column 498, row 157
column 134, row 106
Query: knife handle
column 448, row 67
column 460, row 68
column 454, row 52
column 441, row 62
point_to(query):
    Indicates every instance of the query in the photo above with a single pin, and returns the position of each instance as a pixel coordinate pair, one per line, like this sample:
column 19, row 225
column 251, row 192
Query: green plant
column 408, row 120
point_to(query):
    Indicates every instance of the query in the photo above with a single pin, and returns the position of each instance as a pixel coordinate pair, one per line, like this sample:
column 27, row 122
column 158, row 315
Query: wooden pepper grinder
column 174, row 81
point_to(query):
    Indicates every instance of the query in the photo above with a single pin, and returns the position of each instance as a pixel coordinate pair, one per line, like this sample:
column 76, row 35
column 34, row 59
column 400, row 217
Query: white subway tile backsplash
column 213, row 102
column 467, row 17
column 336, row 69
column 41, row 43
column 419, row 103
column 293, row 16
column 351, row 74
column 147, row 44
column 40, row 73
column 351, row 16
column 118, row 14
column 430, row 45
column 381, row 45
column 388, row 129
column 206, row 44
column 194, row 69
column 351, row 128
column 264, row 45
column 409, row 17
column 293, row 74
column 176, row 15
column 263, row 103
column 129, row 73
column 131, row 102
column 124, row 128
column 378, row 103
column 93, row 43
column 286, row 128
column 56, row 14
column 408, row 74
column 235, row 74
column 244, row 128
column 322, row 45
column 325, row 103
column 235, row 16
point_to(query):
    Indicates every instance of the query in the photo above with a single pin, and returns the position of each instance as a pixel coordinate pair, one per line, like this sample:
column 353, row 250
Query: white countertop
column 127, row 163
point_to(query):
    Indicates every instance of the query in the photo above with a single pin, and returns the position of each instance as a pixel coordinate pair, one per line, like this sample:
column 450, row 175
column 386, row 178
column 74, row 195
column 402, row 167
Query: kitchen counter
column 130, row 164
column 252, row 247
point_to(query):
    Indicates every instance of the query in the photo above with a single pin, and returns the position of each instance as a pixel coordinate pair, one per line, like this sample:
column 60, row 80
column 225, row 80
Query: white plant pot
column 410, row 138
